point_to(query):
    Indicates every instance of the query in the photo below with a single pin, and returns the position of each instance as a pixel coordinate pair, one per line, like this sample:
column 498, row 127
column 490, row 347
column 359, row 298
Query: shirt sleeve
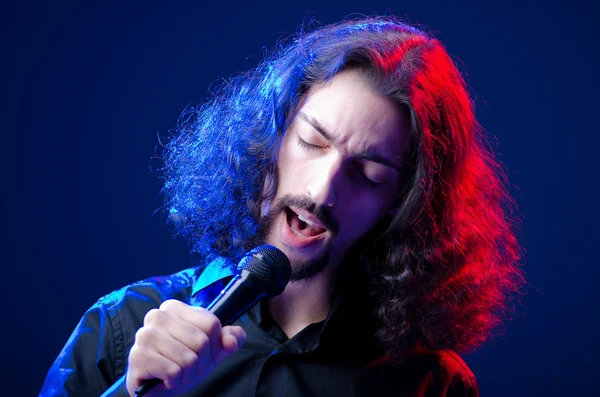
column 451, row 377
column 463, row 386
column 91, row 362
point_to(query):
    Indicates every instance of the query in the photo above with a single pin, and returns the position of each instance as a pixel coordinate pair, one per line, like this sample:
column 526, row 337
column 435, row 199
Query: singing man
column 353, row 149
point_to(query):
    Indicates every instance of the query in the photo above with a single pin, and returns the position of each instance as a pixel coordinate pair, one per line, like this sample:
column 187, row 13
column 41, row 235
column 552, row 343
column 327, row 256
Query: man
column 354, row 151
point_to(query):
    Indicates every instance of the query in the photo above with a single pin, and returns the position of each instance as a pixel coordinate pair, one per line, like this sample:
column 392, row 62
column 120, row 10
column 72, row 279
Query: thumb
column 232, row 338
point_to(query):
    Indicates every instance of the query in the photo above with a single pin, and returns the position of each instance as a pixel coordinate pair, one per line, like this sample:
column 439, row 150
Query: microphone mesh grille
column 269, row 267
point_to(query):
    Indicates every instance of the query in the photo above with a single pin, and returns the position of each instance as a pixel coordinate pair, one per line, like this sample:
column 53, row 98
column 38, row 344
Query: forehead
column 357, row 117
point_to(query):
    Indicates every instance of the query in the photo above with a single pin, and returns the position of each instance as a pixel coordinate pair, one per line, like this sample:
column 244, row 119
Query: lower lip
column 289, row 238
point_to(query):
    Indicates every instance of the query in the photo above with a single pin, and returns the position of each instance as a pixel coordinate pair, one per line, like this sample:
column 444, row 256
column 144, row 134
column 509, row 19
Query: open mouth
column 301, row 226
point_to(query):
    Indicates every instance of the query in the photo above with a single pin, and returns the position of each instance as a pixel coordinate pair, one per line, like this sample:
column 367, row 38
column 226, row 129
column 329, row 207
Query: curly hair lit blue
column 446, row 263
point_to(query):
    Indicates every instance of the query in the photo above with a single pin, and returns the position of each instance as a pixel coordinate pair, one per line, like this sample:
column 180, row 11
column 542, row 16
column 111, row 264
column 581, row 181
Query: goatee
column 307, row 269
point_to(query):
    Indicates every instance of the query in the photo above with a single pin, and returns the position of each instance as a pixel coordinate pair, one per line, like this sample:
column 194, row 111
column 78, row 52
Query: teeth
column 303, row 219
column 296, row 232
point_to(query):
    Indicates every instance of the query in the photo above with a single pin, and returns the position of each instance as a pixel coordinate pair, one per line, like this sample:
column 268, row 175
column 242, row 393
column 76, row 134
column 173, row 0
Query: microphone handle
column 146, row 386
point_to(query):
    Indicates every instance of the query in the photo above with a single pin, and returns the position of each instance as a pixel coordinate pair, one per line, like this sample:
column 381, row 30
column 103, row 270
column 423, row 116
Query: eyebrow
column 370, row 156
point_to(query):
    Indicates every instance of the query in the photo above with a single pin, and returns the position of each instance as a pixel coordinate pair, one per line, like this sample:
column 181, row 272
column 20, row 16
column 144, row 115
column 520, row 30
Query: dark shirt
column 336, row 357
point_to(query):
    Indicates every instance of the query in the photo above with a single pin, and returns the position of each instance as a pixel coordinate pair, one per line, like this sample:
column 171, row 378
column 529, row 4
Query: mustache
column 323, row 214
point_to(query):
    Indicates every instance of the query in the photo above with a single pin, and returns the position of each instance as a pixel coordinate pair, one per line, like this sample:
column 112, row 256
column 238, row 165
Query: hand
column 180, row 345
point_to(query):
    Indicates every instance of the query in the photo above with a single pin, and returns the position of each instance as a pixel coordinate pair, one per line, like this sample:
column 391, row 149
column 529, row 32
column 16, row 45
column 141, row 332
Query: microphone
column 262, row 273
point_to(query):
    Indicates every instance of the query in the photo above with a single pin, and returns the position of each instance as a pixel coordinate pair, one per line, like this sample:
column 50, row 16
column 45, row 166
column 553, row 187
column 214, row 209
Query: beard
column 304, row 270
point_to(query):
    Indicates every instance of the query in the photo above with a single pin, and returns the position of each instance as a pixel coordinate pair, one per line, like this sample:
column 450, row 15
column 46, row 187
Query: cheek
column 290, row 168
column 362, row 215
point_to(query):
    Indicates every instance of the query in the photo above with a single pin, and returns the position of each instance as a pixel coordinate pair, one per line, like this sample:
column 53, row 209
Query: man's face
column 338, row 169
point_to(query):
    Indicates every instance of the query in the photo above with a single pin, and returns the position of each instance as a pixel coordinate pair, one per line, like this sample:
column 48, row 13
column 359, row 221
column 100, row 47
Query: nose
column 322, row 187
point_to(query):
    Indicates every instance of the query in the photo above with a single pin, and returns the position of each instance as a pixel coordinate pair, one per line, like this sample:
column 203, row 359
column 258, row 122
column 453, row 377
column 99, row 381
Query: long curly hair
column 444, row 267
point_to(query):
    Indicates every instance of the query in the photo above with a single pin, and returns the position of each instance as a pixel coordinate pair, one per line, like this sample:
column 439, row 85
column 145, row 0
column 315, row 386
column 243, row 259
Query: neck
column 303, row 302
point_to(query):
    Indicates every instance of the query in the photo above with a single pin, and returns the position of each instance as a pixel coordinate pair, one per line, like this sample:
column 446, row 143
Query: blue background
column 88, row 86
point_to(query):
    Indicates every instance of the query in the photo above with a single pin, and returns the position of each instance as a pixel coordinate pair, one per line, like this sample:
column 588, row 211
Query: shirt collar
column 217, row 270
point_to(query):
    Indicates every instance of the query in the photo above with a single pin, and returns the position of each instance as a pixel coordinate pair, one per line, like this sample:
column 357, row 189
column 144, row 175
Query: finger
column 169, row 347
column 146, row 363
column 194, row 315
column 197, row 316
column 232, row 338
column 173, row 306
column 171, row 324
column 206, row 322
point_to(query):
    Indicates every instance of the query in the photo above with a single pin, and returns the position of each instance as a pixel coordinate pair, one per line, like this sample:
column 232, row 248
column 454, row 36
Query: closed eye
column 308, row 146
column 365, row 180
column 370, row 183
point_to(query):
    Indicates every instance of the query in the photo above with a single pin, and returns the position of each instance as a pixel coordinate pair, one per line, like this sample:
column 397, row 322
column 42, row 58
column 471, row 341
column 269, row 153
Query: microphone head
column 269, row 267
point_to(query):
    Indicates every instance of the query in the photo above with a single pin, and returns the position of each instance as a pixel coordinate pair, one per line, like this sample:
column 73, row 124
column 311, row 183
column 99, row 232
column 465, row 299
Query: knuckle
column 169, row 304
column 202, row 342
column 173, row 373
column 213, row 325
column 152, row 317
column 189, row 359
column 134, row 354
column 143, row 336
column 137, row 358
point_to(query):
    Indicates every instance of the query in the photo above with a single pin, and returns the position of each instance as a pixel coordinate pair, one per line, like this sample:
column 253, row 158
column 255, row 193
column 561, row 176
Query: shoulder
column 428, row 372
column 445, row 362
column 151, row 292
column 443, row 370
